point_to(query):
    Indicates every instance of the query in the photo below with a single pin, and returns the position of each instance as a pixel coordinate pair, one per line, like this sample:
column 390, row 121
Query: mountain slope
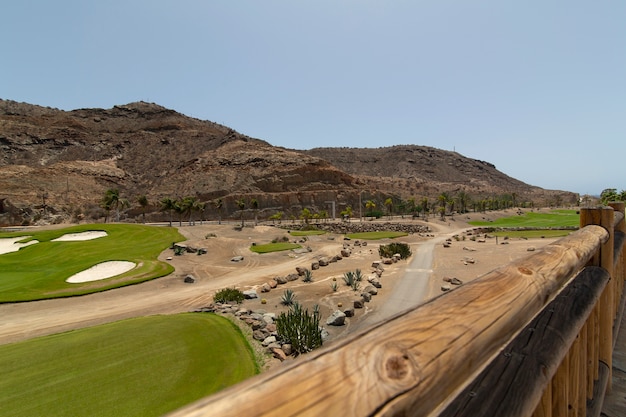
column 64, row 161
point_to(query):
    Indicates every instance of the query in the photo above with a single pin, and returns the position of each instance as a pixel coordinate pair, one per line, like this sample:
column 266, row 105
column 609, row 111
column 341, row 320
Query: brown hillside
column 66, row 160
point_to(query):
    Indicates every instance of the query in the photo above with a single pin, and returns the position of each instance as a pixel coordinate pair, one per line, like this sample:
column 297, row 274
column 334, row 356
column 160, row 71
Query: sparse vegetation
column 299, row 328
column 274, row 247
column 307, row 276
column 229, row 295
column 376, row 235
column 387, row 251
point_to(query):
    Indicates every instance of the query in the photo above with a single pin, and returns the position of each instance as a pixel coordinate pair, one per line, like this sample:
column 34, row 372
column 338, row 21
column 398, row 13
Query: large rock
column 250, row 294
column 236, row 258
column 189, row 279
column 323, row 261
column 338, row 318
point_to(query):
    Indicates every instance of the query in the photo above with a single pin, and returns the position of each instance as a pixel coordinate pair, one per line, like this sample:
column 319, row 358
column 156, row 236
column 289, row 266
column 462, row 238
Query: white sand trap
column 101, row 271
column 80, row 236
column 10, row 244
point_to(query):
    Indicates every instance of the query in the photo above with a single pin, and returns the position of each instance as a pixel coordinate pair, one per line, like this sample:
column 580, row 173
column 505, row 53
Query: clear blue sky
column 537, row 88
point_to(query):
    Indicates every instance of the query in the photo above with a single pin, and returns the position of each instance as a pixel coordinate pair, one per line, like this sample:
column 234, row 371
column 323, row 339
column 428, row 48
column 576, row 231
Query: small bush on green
column 387, row 251
column 299, row 328
column 229, row 295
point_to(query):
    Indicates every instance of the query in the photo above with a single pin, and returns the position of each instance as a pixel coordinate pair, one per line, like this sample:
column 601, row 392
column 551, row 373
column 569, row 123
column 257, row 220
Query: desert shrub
column 334, row 286
column 348, row 278
column 307, row 276
column 229, row 295
column 387, row 251
column 288, row 298
column 300, row 329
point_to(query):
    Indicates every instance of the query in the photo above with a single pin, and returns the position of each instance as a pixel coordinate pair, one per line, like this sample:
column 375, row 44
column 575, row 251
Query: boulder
column 358, row 304
column 445, row 288
column 258, row 335
column 272, row 283
column 323, row 261
column 265, row 287
column 300, row 270
column 345, row 253
column 287, row 349
column 292, row 277
column 236, row 258
column 366, row 297
column 279, row 354
column 280, row 280
column 189, row 279
column 250, row 294
column 338, row 318
column 315, row 266
column 371, row 290
column 349, row 312
column 268, row 340
column 387, row 261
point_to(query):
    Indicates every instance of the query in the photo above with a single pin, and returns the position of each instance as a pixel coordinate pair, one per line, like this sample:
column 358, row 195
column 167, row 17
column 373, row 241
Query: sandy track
column 215, row 271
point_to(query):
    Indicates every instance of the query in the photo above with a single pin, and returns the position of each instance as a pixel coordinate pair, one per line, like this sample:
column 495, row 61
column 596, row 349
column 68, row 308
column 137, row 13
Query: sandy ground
column 215, row 270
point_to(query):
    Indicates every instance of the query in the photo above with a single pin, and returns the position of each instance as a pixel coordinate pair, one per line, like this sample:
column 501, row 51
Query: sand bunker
column 101, row 271
column 80, row 236
column 10, row 244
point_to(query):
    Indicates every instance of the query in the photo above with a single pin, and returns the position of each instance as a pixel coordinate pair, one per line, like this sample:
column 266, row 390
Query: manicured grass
column 140, row 367
column 556, row 218
column 306, row 232
column 376, row 235
column 274, row 247
column 532, row 234
column 39, row 271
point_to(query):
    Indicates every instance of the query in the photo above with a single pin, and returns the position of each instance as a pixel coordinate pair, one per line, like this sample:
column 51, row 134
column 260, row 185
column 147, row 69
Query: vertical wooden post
column 574, row 378
column 583, row 369
column 603, row 216
column 560, row 390
column 544, row 408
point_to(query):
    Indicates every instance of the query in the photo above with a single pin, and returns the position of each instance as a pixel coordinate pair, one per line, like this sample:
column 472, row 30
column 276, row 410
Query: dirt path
column 215, row 271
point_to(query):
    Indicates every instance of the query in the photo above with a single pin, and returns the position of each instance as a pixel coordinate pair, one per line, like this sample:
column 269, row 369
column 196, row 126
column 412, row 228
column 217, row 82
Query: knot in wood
column 524, row 270
column 397, row 366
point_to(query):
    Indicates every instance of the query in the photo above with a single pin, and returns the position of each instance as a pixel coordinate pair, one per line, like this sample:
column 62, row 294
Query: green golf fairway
column 39, row 271
column 556, row 218
column 140, row 367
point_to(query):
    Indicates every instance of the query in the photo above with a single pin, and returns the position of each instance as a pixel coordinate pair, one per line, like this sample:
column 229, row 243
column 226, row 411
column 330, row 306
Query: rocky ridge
column 62, row 162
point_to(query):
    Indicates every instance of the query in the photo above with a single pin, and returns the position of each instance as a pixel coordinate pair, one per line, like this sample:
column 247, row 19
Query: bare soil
column 215, row 270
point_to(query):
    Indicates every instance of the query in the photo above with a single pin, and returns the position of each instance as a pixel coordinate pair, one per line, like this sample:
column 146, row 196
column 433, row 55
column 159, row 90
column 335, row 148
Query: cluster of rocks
column 262, row 324
column 361, row 227
column 450, row 281
column 180, row 248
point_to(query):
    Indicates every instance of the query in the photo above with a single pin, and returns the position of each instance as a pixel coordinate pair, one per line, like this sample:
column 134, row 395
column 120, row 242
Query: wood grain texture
column 539, row 357
column 413, row 363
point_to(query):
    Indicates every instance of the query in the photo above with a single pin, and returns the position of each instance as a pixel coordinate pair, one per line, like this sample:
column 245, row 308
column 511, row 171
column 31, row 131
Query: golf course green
column 146, row 366
column 40, row 270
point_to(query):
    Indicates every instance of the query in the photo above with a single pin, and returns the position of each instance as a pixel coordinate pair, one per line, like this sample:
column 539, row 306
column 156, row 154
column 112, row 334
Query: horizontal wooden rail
column 416, row 362
column 513, row 384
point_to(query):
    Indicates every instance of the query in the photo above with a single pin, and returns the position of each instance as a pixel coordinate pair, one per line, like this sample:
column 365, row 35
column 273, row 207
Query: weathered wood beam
column 513, row 384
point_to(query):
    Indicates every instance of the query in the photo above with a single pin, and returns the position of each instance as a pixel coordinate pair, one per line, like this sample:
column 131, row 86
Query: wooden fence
column 532, row 338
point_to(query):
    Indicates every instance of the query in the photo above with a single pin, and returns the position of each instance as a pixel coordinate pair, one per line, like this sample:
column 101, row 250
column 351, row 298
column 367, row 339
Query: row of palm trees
column 185, row 207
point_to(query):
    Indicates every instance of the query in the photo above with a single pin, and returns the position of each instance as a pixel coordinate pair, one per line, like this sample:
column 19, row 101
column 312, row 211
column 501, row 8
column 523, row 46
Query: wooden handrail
column 416, row 362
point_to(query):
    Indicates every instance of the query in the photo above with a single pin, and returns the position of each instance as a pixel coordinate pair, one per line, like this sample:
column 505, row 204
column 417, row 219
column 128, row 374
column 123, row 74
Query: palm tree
column 168, row 204
column 201, row 208
column 347, row 212
column 424, row 204
column 218, row 204
column 255, row 207
column 370, row 206
column 143, row 203
column 242, row 205
column 389, row 205
column 112, row 200
column 188, row 205
column 179, row 208
column 463, row 199
column 305, row 215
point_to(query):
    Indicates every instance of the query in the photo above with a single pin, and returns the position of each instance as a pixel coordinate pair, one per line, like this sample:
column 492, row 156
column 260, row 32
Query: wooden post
column 603, row 216
column 560, row 389
column 583, row 369
column 544, row 408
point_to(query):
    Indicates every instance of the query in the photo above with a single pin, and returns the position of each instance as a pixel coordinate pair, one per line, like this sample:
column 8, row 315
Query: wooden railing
column 532, row 338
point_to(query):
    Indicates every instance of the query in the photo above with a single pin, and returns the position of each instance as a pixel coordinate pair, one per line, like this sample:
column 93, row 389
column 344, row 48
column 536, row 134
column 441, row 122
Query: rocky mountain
column 62, row 162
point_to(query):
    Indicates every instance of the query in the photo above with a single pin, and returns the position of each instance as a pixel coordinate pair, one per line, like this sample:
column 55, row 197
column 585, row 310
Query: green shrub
column 229, row 295
column 307, row 276
column 387, row 251
column 299, row 328
column 288, row 298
